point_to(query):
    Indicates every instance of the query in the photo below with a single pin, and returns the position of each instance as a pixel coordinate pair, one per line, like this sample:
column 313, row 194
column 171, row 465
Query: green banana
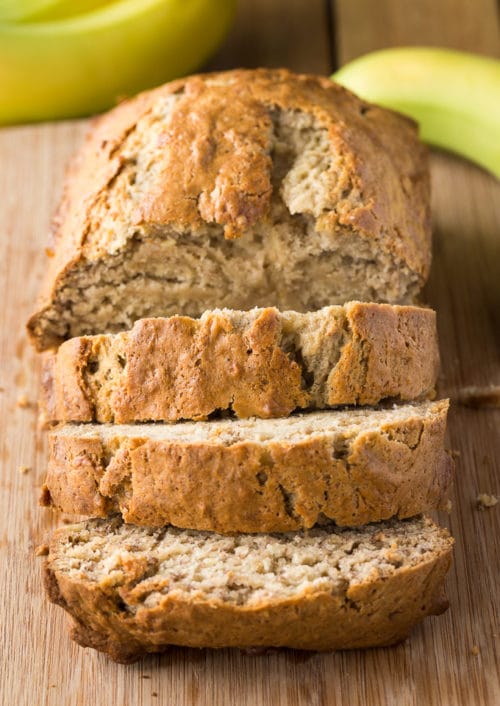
column 81, row 65
column 454, row 96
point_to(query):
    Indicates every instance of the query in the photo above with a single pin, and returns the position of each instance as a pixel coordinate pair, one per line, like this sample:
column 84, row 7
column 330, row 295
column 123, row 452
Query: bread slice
column 238, row 189
column 352, row 467
column 134, row 590
column 256, row 363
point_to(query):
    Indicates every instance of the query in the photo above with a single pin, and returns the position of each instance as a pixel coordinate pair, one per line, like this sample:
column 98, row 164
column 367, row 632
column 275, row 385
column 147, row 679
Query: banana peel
column 454, row 96
column 44, row 10
column 83, row 64
column 61, row 9
column 19, row 10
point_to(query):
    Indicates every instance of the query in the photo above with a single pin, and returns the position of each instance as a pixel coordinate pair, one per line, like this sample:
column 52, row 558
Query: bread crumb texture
column 242, row 569
column 233, row 190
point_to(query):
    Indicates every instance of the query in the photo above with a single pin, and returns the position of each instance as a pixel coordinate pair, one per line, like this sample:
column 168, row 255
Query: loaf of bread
column 257, row 363
column 352, row 467
column 135, row 590
column 186, row 207
column 233, row 190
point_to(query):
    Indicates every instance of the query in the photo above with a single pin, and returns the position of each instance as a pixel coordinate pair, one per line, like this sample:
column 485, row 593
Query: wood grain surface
column 450, row 660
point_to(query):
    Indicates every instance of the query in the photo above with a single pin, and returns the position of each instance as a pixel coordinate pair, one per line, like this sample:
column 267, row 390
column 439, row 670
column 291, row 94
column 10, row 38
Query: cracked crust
column 351, row 467
column 259, row 363
column 233, row 190
column 129, row 595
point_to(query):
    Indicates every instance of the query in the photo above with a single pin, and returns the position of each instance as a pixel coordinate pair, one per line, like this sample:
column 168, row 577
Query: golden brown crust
column 259, row 363
column 213, row 164
column 370, row 612
column 400, row 469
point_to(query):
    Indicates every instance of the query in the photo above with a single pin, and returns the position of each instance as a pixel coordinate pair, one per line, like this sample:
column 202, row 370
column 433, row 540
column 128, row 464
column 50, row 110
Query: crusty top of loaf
column 204, row 151
column 212, row 162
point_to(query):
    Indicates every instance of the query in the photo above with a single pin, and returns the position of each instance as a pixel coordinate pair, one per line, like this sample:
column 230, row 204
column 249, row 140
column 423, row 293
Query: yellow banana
column 82, row 64
column 19, row 10
column 36, row 10
column 454, row 96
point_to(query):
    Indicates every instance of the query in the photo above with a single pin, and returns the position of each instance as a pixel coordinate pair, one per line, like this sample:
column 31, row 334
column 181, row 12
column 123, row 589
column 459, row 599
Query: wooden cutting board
column 453, row 659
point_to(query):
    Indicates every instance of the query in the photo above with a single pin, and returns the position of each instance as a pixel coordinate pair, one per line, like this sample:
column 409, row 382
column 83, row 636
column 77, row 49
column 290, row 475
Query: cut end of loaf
column 167, row 278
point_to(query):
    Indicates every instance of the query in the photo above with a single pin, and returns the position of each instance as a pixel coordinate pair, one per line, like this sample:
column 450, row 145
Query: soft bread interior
column 242, row 569
column 342, row 423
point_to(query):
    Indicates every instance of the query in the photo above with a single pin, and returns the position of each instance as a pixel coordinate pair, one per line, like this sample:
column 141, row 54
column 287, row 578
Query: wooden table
column 453, row 659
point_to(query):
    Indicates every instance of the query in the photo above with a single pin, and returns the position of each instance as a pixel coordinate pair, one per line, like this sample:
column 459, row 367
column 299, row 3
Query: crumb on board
column 448, row 506
column 44, row 499
column 479, row 397
column 24, row 469
column 23, row 402
column 475, row 650
column 42, row 550
column 485, row 500
column 455, row 453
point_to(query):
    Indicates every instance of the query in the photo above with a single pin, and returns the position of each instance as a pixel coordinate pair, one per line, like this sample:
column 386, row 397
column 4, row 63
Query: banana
column 82, row 64
column 19, row 10
column 36, row 10
column 454, row 96
column 45, row 10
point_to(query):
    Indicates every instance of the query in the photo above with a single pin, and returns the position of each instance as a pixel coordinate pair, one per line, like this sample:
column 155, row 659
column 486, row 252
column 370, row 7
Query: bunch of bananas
column 454, row 96
column 67, row 58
